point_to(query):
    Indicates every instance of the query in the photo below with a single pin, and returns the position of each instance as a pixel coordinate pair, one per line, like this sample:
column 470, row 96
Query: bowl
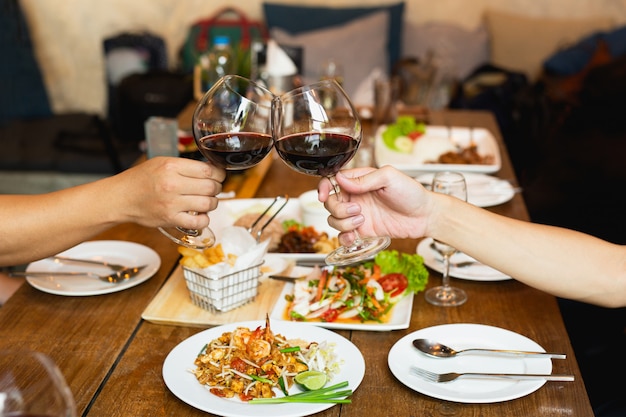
column 313, row 213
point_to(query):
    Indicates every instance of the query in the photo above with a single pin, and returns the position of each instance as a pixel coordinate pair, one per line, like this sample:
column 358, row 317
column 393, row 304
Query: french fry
column 193, row 258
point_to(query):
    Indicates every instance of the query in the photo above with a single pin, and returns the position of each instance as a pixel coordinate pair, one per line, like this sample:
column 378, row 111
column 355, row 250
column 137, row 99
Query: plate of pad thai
column 248, row 368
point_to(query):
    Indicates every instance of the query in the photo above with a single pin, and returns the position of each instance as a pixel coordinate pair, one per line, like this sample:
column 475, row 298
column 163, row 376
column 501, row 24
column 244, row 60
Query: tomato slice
column 394, row 283
column 330, row 315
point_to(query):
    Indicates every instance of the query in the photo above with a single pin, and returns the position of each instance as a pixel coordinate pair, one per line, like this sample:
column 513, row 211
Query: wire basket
column 223, row 293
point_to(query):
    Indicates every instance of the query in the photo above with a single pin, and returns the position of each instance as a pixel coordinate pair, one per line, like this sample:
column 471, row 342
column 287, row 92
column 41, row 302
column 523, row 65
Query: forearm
column 34, row 227
column 562, row 262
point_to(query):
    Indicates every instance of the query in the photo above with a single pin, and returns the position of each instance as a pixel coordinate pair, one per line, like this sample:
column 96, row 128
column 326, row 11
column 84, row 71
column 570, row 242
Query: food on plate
column 365, row 292
column 199, row 259
column 401, row 135
column 408, row 137
column 257, row 363
column 290, row 236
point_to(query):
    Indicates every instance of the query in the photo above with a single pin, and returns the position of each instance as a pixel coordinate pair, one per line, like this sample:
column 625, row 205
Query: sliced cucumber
column 403, row 144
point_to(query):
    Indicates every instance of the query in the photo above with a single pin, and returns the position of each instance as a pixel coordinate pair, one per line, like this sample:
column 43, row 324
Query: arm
column 562, row 262
column 158, row 192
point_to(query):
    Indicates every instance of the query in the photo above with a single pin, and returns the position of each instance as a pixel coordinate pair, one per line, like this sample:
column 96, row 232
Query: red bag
column 230, row 22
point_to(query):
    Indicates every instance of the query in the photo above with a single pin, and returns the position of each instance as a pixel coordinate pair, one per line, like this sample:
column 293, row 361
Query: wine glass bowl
column 31, row 385
column 317, row 133
column 452, row 184
column 232, row 128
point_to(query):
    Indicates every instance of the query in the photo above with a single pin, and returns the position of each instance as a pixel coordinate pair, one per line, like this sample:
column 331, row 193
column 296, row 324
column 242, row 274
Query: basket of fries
column 225, row 276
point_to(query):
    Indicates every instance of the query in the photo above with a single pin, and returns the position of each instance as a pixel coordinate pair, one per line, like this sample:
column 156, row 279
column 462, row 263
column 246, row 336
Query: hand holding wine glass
column 31, row 385
column 232, row 127
column 453, row 184
column 317, row 133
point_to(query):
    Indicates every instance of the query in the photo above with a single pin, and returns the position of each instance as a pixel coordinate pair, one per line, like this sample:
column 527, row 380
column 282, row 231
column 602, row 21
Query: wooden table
column 113, row 359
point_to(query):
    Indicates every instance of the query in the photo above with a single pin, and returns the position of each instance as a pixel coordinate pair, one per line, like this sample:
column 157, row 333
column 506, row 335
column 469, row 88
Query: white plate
column 462, row 336
column 114, row 251
column 400, row 315
column 228, row 211
column 184, row 385
column 482, row 190
column 477, row 272
column 485, row 142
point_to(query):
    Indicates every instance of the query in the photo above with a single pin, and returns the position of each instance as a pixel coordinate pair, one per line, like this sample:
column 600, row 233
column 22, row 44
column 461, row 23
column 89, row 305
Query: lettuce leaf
column 402, row 127
column 412, row 266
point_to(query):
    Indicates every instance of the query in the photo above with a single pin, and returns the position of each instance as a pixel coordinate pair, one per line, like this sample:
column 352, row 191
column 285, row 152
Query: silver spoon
column 438, row 350
column 115, row 277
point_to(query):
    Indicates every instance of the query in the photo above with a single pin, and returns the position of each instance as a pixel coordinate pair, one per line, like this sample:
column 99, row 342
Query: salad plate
column 400, row 315
column 482, row 190
column 463, row 336
column 474, row 272
column 228, row 211
column 413, row 163
column 183, row 384
column 113, row 251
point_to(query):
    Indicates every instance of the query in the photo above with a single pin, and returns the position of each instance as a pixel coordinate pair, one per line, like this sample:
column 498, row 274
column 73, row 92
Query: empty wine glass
column 453, row 184
column 317, row 133
column 232, row 127
column 31, row 385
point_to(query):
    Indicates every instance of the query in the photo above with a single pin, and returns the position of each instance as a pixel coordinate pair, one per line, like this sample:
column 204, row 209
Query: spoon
column 115, row 277
column 438, row 350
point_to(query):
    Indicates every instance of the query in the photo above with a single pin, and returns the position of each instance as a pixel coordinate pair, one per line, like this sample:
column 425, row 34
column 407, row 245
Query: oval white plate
column 477, row 272
column 482, row 190
column 114, row 251
column 185, row 386
column 463, row 336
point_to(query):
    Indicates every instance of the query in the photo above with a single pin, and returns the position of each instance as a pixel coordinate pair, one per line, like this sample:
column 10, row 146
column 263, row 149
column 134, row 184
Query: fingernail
column 358, row 220
column 353, row 209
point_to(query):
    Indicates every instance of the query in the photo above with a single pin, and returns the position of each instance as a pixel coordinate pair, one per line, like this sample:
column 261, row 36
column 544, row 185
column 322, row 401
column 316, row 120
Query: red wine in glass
column 235, row 151
column 315, row 153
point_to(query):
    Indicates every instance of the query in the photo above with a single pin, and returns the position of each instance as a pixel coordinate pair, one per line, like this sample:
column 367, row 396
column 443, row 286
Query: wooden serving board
column 172, row 305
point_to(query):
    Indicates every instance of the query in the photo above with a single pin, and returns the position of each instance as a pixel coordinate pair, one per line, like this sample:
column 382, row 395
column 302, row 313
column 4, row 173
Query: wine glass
column 317, row 133
column 32, row 385
column 232, row 127
column 453, row 184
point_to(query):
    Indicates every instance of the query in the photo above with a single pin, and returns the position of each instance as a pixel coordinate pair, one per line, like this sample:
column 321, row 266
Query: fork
column 451, row 376
column 260, row 231
column 114, row 267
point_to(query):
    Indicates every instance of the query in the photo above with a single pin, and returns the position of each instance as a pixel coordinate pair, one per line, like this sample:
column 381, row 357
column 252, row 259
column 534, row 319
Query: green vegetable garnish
column 290, row 349
column 402, row 127
column 412, row 266
column 331, row 394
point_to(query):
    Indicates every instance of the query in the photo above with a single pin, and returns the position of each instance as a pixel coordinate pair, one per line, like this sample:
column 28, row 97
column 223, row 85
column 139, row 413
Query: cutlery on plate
column 438, row 350
column 451, row 376
column 115, row 267
column 462, row 264
column 113, row 278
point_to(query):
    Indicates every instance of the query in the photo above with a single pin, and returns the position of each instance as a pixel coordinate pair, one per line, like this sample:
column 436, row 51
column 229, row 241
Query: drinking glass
column 317, row 133
column 31, row 385
column 232, row 127
column 453, row 184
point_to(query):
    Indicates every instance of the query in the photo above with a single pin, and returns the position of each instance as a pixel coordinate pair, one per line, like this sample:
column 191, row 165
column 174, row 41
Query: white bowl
column 313, row 213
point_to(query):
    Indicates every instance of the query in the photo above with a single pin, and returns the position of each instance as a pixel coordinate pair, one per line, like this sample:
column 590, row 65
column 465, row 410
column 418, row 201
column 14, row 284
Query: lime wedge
column 312, row 380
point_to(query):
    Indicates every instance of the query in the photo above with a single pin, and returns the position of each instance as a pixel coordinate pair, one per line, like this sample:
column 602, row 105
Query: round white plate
column 476, row 272
column 403, row 356
column 482, row 190
column 113, row 251
column 184, row 385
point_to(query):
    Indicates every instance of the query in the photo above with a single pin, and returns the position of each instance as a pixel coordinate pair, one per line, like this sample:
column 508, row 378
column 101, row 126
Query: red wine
column 235, row 150
column 314, row 153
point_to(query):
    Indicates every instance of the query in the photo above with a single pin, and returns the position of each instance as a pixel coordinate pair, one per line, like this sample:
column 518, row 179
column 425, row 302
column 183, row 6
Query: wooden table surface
column 113, row 359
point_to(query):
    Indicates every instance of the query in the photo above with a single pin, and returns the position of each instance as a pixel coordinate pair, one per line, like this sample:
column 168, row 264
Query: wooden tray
column 172, row 305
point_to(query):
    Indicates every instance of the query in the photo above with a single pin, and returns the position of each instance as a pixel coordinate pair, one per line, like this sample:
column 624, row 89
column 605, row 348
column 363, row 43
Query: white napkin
column 237, row 241
column 278, row 63
column 364, row 94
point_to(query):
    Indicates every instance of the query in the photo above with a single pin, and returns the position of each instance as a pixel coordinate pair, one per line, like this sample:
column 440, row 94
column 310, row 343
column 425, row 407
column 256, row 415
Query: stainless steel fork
column 451, row 376
column 259, row 232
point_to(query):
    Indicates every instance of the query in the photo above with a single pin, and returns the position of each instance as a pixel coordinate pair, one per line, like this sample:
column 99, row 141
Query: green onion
column 290, row 349
column 332, row 394
column 261, row 379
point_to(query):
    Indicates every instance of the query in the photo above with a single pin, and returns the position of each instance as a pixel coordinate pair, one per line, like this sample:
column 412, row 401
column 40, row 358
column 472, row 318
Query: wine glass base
column 204, row 240
column 360, row 250
column 445, row 296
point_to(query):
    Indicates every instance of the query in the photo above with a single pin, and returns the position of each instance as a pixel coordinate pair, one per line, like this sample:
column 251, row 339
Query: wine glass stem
column 333, row 181
column 445, row 280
